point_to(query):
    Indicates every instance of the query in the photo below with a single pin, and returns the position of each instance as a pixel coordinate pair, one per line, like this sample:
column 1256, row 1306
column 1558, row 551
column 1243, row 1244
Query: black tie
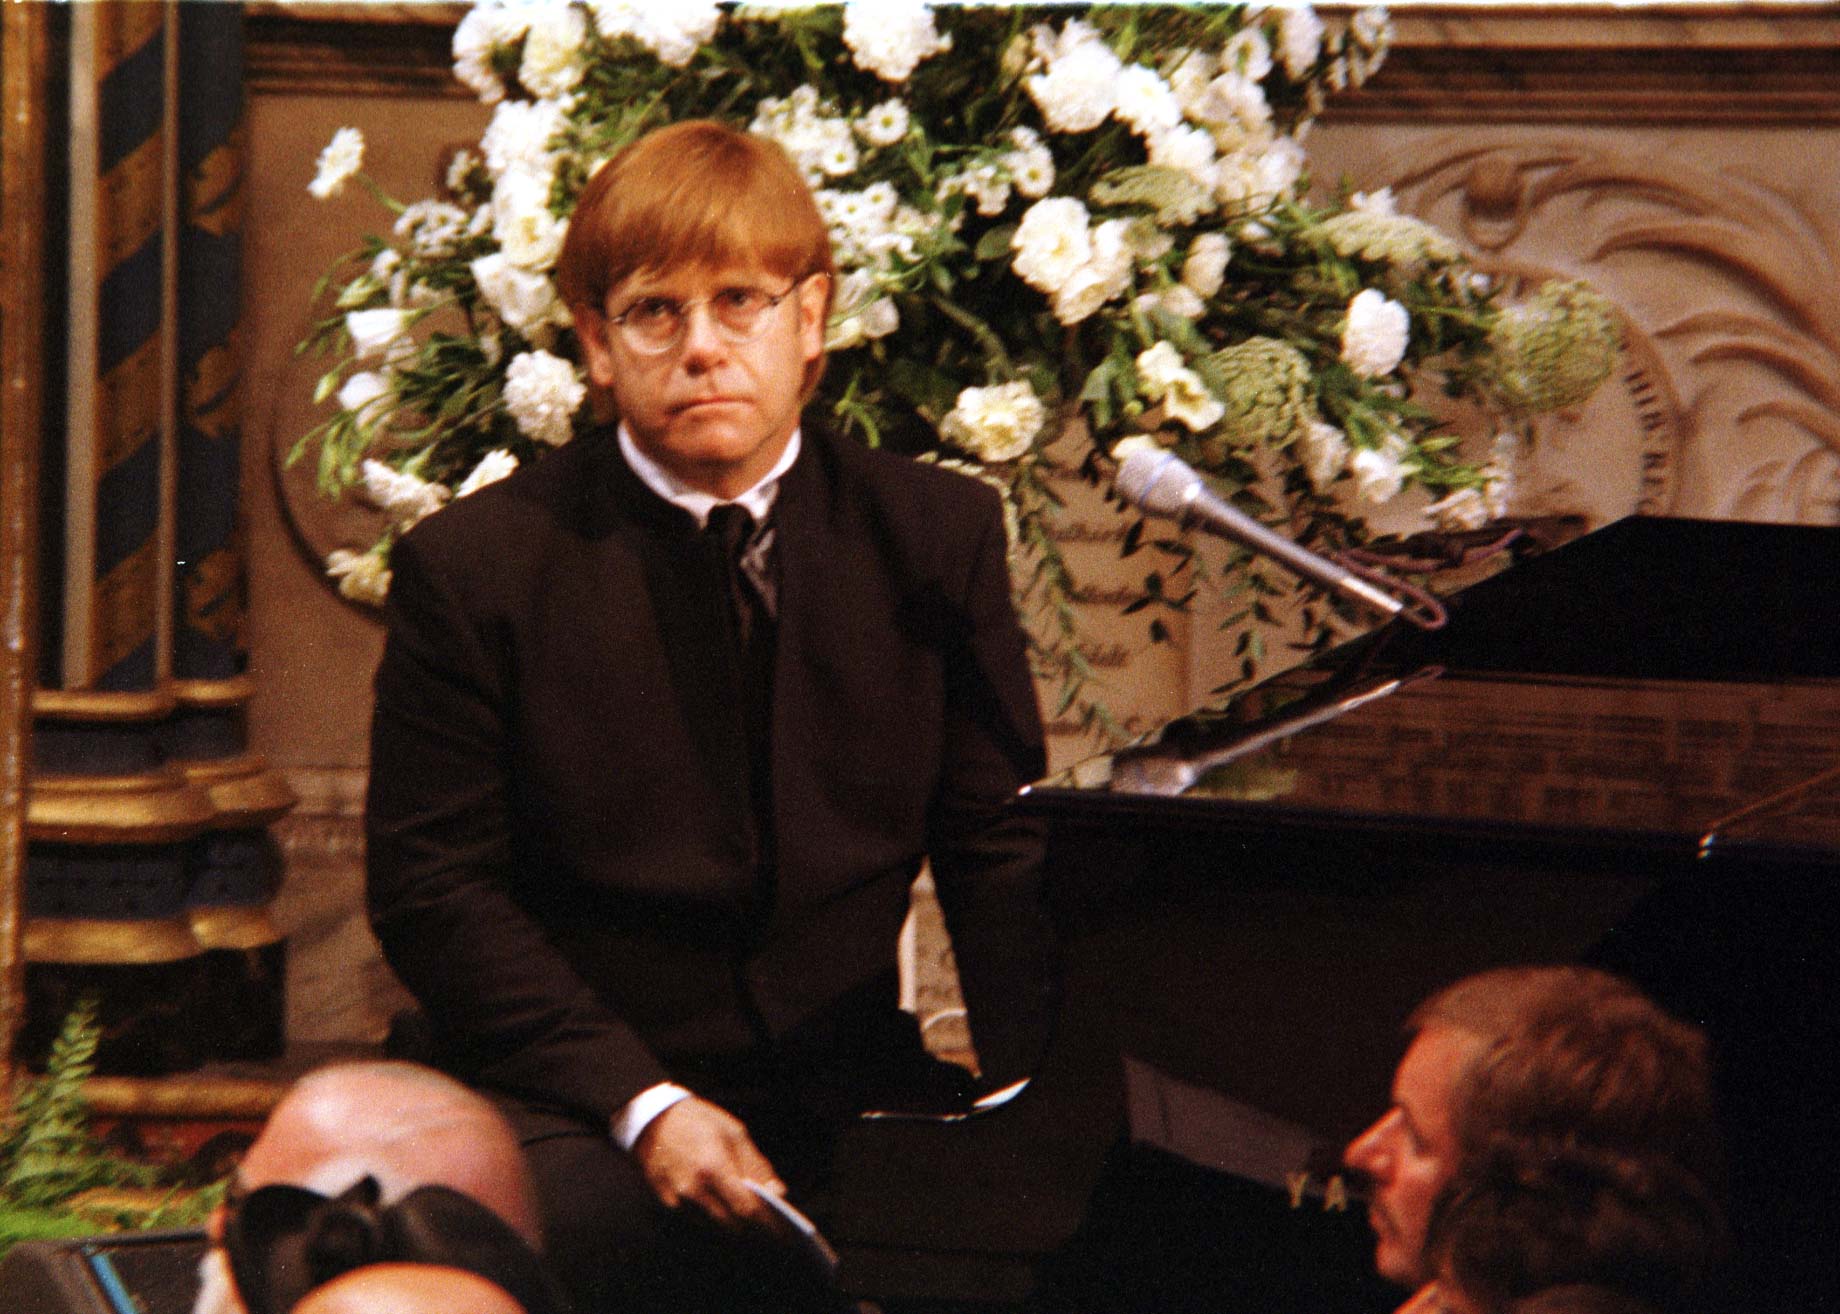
column 730, row 534
column 731, row 530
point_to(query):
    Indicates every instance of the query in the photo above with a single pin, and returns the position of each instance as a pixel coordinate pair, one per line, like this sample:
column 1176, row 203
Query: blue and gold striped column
column 149, row 868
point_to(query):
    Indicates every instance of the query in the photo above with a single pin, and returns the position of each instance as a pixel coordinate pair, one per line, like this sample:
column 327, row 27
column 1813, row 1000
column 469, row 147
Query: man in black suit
column 646, row 804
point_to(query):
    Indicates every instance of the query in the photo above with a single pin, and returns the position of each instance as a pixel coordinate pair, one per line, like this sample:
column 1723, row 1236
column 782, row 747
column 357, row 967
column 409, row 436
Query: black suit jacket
column 559, row 837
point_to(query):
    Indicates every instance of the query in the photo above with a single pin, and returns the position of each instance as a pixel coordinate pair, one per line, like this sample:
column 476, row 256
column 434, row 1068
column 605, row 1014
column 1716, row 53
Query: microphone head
column 1157, row 482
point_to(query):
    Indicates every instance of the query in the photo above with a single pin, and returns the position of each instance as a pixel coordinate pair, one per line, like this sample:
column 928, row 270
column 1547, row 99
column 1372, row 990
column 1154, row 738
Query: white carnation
column 1104, row 277
column 1280, row 167
column 406, row 497
column 889, row 38
column 552, row 62
column 1236, row 110
column 519, row 138
column 1325, row 454
column 525, row 300
column 432, row 228
column 1189, row 149
column 542, row 394
column 1374, row 339
column 1146, row 102
column 530, row 235
column 492, row 467
column 1300, row 35
column 997, row 423
column 362, row 576
column 1163, row 376
column 670, row 31
column 485, row 28
column 343, row 156
column 1052, row 242
column 1380, row 202
column 1079, row 88
column 383, row 333
column 1205, row 269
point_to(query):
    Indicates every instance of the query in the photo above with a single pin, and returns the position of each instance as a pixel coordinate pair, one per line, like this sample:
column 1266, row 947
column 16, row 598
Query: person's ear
column 814, row 296
column 596, row 337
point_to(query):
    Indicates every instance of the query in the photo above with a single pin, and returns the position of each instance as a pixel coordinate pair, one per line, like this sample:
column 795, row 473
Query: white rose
column 1325, row 454
column 529, row 234
column 382, row 333
column 405, row 497
column 1205, row 269
column 362, row 389
column 542, row 394
column 492, row 467
column 362, row 576
column 343, row 156
column 1374, row 339
column 889, row 38
column 997, row 423
column 526, row 301
column 552, row 62
column 1146, row 102
column 1079, row 89
column 1052, row 242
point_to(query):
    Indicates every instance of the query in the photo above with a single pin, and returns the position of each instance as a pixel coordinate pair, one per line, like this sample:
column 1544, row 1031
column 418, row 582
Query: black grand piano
column 1625, row 751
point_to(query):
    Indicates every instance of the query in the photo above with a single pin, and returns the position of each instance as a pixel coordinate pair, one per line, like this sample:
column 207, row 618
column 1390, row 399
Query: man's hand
column 698, row 1153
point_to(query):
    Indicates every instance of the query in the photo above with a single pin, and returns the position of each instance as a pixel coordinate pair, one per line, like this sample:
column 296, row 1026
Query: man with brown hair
column 1530, row 1063
column 666, row 724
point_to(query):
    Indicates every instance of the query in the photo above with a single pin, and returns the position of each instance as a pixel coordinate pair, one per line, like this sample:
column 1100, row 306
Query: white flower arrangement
column 1039, row 213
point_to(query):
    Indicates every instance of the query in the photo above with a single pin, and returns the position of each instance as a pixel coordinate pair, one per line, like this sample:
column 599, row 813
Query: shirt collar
column 758, row 500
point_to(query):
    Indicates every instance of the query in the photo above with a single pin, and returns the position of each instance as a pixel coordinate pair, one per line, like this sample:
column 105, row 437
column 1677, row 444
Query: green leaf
column 994, row 245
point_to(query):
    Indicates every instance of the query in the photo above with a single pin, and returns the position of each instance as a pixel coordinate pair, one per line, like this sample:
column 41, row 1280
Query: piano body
column 1625, row 751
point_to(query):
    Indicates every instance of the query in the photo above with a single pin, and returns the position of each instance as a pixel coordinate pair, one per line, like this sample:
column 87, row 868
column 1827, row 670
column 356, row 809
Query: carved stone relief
column 1728, row 400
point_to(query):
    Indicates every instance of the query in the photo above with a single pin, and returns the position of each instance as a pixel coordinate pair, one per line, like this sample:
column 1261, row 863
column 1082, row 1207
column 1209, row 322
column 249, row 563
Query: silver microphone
column 1162, row 484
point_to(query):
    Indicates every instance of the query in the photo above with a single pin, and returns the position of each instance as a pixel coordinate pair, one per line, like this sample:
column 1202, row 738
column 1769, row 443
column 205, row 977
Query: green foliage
column 49, row 1160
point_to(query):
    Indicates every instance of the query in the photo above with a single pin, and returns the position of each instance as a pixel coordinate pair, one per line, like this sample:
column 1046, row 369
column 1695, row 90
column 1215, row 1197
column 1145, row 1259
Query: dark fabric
column 618, row 1249
column 564, row 859
column 283, row 1241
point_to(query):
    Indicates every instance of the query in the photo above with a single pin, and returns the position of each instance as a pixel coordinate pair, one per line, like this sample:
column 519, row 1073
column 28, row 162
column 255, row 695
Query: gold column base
column 95, row 941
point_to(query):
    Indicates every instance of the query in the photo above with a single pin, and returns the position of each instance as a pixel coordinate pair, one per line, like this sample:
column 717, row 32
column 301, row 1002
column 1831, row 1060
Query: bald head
column 405, row 1125
column 408, row 1289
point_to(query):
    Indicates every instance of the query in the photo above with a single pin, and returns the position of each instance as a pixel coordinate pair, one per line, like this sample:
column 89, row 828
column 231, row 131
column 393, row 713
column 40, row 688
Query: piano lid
column 1662, row 683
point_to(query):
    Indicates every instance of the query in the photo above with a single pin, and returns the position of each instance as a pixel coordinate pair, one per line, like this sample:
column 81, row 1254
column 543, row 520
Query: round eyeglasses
column 654, row 325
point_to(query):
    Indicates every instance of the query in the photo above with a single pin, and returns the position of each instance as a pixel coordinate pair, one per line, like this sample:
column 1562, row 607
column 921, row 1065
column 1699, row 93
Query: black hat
column 284, row 1241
